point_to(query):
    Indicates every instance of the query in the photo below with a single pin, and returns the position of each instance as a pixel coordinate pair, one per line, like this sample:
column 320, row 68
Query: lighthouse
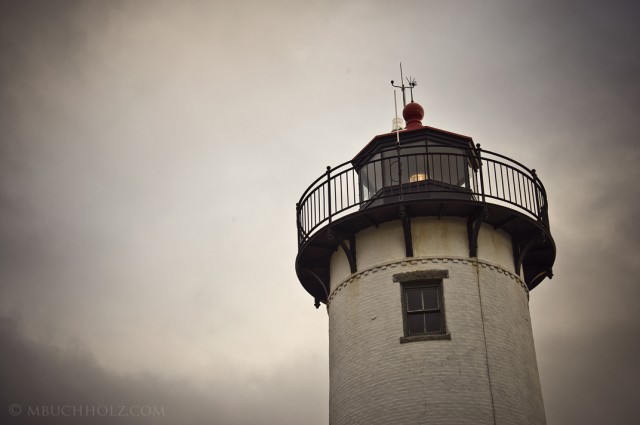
column 424, row 248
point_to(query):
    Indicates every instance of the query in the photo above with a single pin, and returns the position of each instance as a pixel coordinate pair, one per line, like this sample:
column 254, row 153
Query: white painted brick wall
column 376, row 380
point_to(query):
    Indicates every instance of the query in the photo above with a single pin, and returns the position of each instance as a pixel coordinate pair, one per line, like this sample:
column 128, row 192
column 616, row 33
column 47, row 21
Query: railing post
column 480, row 171
column 299, row 224
column 538, row 193
column 543, row 211
column 329, row 191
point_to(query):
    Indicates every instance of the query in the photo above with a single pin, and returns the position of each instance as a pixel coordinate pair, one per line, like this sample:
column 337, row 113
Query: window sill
column 404, row 339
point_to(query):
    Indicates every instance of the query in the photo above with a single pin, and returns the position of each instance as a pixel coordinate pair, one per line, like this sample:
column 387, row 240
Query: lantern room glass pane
column 389, row 168
column 448, row 165
column 371, row 180
column 416, row 166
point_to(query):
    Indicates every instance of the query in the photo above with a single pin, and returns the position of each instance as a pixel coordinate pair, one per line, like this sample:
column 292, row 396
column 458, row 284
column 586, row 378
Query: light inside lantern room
column 417, row 177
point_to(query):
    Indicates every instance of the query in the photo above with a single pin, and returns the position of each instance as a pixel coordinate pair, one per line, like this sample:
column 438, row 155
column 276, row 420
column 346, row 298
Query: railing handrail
column 316, row 208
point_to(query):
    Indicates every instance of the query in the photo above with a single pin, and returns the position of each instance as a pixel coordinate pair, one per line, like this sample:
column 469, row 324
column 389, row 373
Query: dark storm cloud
column 37, row 377
column 101, row 146
column 47, row 383
column 586, row 319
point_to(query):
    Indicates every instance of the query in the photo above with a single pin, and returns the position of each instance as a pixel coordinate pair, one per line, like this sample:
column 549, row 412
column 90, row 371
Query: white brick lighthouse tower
column 424, row 248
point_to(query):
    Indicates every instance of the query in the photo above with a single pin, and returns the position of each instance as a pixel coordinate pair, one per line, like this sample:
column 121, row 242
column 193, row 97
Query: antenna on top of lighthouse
column 398, row 123
column 411, row 84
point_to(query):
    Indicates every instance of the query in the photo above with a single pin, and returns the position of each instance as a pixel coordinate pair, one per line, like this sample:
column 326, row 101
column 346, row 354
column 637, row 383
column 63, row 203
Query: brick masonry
column 486, row 373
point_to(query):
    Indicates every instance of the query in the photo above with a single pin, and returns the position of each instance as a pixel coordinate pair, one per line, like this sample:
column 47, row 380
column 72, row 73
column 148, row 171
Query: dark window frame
column 423, row 280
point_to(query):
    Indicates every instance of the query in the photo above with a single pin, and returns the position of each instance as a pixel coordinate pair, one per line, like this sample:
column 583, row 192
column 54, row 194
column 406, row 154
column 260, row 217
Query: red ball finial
column 413, row 114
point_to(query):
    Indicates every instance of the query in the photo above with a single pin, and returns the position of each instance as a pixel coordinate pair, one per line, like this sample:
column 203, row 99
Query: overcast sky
column 152, row 153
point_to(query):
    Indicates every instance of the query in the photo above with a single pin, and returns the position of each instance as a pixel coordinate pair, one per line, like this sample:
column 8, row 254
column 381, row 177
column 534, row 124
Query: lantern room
column 419, row 162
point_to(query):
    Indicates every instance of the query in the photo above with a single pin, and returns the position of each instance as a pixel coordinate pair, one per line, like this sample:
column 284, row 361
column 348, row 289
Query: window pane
column 371, row 177
column 447, row 165
column 414, row 300
column 417, row 168
column 389, row 172
column 433, row 322
column 415, row 324
column 431, row 299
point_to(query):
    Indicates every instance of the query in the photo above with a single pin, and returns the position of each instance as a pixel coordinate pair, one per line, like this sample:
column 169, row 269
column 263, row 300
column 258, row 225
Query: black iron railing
column 400, row 175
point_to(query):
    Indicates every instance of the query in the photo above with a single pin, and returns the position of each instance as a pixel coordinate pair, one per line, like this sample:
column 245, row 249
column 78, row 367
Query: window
column 423, row 309
column 423, row 312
